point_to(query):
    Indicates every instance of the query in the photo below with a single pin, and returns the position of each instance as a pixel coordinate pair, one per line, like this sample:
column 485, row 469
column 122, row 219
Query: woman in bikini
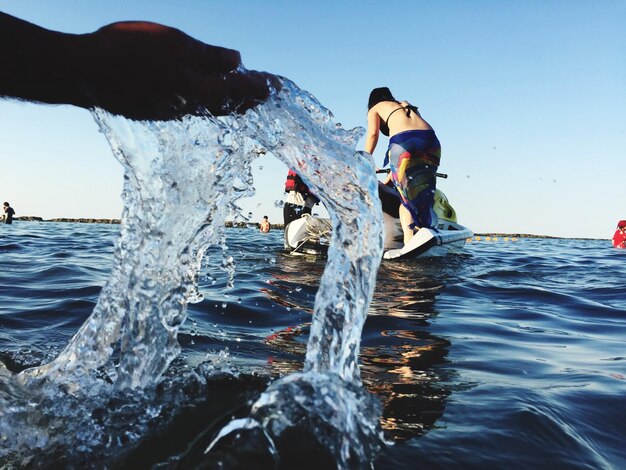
column 413, row 156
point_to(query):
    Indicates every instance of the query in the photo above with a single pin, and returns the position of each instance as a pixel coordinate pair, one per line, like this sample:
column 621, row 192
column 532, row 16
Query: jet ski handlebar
column 387, row 170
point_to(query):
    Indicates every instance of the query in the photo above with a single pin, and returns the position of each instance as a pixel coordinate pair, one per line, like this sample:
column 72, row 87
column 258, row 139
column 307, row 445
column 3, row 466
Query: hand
column 141, row 70
column 149, row 71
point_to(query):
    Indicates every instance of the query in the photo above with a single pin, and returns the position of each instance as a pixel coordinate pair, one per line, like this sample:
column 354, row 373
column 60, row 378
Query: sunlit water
column 182, row 179
column 511, row 354
column 122, row 346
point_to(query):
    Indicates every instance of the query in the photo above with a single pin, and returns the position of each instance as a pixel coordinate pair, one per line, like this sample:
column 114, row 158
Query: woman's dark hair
column 379, row 94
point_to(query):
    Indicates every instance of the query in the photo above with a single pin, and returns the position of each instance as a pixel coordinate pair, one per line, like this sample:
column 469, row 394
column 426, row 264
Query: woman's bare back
column 398, row 121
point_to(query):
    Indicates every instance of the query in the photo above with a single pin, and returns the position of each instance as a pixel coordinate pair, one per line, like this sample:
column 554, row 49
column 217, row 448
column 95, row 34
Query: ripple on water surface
column 507, row 354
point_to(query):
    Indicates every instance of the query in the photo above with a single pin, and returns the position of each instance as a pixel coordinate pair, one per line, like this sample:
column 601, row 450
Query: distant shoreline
column 282, row 227
column 528, row 235
column 31, row 218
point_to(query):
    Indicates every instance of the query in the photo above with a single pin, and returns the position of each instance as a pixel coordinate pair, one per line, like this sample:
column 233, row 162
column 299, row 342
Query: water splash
column 178, row 189
column 182, row 180
column 339, row 416
column 329, row 392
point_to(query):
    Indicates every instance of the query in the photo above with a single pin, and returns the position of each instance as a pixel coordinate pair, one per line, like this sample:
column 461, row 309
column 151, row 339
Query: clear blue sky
column 527, row 97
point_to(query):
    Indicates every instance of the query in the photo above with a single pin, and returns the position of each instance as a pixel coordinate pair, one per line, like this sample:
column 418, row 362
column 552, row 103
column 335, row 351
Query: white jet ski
column 311, row 235
column 308, row 235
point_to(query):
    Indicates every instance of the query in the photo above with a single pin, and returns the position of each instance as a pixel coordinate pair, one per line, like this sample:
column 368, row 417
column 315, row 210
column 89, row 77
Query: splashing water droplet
column 182, row 180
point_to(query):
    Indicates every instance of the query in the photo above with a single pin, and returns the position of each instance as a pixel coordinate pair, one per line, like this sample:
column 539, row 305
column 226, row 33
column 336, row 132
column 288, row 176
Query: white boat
column 311, row 235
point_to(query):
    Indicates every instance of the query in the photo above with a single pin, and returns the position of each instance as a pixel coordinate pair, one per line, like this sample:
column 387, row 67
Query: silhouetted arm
column 137, row 69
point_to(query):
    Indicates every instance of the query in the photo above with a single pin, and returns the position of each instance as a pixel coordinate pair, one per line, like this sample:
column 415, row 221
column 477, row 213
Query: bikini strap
column 408, row 108
column 387, row 120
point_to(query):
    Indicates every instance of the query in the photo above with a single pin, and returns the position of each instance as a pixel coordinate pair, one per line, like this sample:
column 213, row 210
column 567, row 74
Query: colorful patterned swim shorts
column 414, row 159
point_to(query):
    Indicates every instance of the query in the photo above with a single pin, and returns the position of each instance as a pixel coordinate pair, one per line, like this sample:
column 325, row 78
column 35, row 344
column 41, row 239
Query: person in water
column 8, row 214
column 413, row 156
column 265, row 225
column 619, row 238
column 138, row 69
column 300, row 200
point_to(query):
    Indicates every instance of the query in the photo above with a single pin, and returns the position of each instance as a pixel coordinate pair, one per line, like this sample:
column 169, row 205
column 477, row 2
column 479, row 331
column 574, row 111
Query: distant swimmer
column 619, row 239
column 265, row 225
column 8, row 214
column 413, row 156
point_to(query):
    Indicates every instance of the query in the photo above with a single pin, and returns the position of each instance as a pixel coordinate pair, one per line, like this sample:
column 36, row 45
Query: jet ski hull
column 310, row 235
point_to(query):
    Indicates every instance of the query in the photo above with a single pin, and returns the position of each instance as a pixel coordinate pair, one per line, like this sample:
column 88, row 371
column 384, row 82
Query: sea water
column 182, row 179
column 510, row 353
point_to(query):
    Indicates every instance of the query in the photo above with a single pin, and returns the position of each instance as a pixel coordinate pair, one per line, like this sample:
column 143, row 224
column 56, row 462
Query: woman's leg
column 406, row 220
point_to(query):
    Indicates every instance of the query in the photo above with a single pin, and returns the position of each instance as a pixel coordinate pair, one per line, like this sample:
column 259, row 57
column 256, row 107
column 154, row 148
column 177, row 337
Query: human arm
column 141, row 70
column 371, row 137
column 373, row 128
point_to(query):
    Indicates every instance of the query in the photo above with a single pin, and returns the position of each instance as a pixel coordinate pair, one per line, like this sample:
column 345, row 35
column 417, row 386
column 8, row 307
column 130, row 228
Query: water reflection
column 399, row 358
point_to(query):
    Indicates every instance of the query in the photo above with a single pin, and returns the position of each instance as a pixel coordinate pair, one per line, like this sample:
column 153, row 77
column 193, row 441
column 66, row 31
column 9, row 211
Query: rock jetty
column 31, row 218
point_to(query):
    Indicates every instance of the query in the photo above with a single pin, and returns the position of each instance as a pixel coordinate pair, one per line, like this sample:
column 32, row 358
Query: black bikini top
column 384, row 126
